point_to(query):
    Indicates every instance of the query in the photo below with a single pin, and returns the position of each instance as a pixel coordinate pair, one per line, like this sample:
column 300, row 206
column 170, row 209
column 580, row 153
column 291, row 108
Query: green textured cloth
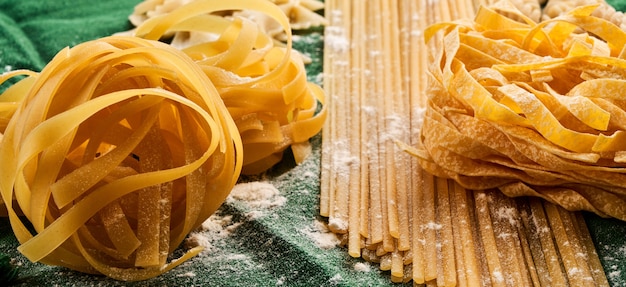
column 260, row 246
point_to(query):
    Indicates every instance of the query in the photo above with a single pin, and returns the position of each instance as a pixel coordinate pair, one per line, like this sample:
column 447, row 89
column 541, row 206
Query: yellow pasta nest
column 262, row 83
column 530, row 108
column 119, row 148
column 301, row 14
column 122, row 145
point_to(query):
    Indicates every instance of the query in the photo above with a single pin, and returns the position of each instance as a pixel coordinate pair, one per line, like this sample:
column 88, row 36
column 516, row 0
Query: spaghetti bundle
column 118, row 149
column 262, row 83
column 389, row 210
column 531, row 109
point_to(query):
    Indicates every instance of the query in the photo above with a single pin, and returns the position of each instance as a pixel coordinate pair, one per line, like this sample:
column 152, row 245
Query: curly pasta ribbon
column 263, row 85
column 530, row 108
column 119, row 148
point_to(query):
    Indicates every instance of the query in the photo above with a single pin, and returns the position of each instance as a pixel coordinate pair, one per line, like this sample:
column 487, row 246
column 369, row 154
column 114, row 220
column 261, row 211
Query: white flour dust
column 319, row 233
column 215, row 228
column 257, row 194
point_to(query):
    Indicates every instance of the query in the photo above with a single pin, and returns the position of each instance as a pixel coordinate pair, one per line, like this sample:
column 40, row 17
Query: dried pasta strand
column 577, row 274
column 504, row 221
column 526, row 255
column 417, row 99
column 465, row 243
column 447, row 274
column 397, row 266
column 329, row 132
column 373, row 115
column 424, row 182
column 532, row 231
column 381, row 146
column 365, row 80
column 403, row 160
column 354, row 213
column 597, row 270
column 488, row 239
column 339, row 214
column 429, row 229
column 557, row 276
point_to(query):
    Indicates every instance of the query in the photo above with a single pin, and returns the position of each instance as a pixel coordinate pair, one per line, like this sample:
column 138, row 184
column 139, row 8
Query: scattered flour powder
column 281, row 281
column 363, row 267
column 613, row 260
column 319, row 233
column 211, row 230
column 187, row 274
column 336, row 280
column 257, row 194
column 338, row 224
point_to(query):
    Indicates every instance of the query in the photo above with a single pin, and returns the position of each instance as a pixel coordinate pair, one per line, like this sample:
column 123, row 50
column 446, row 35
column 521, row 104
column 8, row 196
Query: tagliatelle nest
column 123, row 145
column 119, row 148
column 263, row 85
column 530, row 108
column 301, row 14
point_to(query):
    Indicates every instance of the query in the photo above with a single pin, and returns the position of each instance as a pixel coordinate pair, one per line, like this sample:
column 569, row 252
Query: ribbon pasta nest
column 530, row 108
column 263, row 85
column 119, row 149
column 121, row 146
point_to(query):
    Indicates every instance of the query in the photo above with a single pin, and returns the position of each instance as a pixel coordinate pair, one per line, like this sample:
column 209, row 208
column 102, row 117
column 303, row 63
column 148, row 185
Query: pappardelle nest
column 123, row 145
column 530, row 108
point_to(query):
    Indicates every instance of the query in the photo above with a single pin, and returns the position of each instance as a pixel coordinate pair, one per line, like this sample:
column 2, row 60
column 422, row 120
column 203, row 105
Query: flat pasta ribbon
column 530, row 108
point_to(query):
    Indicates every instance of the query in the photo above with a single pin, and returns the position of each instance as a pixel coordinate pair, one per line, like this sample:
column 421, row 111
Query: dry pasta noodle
column 531, row 111
column 301, row 13
column 456, row 236
column 263, row 85
column 118, row 149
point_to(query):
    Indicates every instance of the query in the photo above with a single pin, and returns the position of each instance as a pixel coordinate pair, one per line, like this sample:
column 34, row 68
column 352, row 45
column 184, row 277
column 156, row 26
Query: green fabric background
column 271, row 250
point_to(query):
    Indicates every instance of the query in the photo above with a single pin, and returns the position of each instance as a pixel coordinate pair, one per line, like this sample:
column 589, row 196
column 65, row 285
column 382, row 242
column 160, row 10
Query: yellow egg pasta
column 121, row 146
column 263, row 84
column 118, row 149
column 530, row 108
column 414, row 225
column 301, row 14
column 13, row 95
